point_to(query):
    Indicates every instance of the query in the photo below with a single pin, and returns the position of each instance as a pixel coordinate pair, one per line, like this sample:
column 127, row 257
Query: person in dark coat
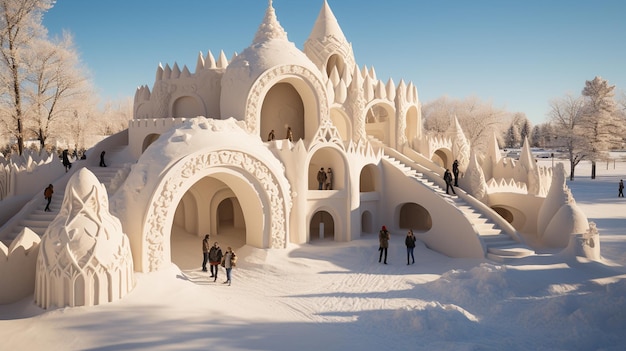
column 383, row 241
column 206, row 246
column 271, row 135
column 447, row 176
column 47, row 194
column 102, row 164
column 66, row 160
column 455, row 171
column 621, row 188
column 321, row 178
column 215, row 258
column 289, row 134
column 409, row 241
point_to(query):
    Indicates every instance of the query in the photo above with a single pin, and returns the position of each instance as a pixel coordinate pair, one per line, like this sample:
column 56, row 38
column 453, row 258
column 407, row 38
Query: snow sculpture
column 85, row 258
column 17, row 266
column 585, row 245
column 460, row 144
column 475, row 179
column 559, row 216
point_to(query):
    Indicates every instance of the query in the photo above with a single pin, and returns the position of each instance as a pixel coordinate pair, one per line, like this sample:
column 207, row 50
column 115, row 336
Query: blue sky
column 517, row 54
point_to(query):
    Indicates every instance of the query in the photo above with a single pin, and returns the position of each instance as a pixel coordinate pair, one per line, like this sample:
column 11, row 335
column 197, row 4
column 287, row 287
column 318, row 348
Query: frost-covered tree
column 59, row 87
column 535, row 140
column 477, row 118
column 566, row 116
column 20, row 23
column 512, row 140
column 600, row 124
column 525, row 130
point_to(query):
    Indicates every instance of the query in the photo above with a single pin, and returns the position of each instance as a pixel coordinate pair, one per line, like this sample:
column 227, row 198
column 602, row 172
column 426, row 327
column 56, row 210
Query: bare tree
column 599, row 121
column 20, row 23
column 477, row 118
column 59, row 87
column 566, row 117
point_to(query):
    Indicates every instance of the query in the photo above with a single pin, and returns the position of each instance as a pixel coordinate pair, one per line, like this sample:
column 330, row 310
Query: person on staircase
column 47, row 194
column 102, row 164
column 447, row 176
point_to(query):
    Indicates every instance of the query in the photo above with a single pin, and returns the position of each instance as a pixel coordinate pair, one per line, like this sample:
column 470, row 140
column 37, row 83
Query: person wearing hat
column 383, row 240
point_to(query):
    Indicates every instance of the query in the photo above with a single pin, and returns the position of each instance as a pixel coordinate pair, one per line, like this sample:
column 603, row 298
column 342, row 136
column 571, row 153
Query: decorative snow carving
column 474, row 179
column 271, row 76
column 191, row 166
column 559, row 216
column 460, row 144
column 85, row 258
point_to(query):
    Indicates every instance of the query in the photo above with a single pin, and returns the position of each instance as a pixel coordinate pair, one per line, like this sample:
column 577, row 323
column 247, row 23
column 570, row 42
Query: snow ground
column 336, row 296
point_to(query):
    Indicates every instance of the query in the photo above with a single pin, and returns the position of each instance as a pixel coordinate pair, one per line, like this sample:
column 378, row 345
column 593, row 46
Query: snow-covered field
column 336, row 296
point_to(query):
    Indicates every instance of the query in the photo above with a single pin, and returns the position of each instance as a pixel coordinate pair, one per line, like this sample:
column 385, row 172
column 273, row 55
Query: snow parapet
column 85, row 258
column 17, row 266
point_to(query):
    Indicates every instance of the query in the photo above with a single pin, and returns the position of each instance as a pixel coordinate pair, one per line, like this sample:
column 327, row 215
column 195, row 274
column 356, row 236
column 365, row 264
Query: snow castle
column 234, row 149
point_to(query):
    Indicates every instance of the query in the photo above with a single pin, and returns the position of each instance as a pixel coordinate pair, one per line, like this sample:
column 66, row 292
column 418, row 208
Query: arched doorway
column 149, row 139
column 282, row 107
column 367, row 222
column 321, row 227
column 414, row 216
column 197, row 215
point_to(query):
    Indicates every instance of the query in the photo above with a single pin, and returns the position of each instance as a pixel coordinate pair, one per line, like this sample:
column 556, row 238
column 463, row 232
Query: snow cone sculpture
column 559, row 216
column 84, row 257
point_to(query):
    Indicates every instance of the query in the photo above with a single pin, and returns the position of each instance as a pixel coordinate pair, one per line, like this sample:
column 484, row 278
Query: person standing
column 321, row 178
column 229, row 261
column 47, row 194
column 66, row 160
column 329, row 179
column 215, row 258
column 383, row 241
column 289, row 134
column 455, row 171
column 621, row 188
column 447, row 176
column 102, row 164
column 409, row 241
column 271, row 135
column 206, row 246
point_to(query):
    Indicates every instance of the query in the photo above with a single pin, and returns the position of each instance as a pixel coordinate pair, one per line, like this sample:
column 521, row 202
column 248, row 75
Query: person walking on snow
column 229, row 261
column 455, row 171
column 206, row 246
column 383, row 241
column 409, row 241
column 621, row 188
column 215, row 258
column 102, row 164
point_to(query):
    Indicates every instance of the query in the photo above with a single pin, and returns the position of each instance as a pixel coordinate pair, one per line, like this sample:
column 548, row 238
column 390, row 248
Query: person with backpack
column 228, row 262
column 215, row 258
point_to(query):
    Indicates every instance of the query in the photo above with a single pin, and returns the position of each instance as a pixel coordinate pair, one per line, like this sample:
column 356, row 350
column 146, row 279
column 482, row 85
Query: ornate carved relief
column 177, row 180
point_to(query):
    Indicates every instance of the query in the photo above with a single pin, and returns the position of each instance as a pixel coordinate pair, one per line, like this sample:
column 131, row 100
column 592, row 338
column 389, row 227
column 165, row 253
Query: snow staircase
column 38, row 220
column 498, row 245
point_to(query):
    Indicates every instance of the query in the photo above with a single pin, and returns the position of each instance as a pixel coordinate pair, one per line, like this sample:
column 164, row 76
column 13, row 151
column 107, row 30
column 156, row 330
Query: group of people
column 215, row 257
column 325, row 179
column 271, row 136
column 447, row 177
column 383, row 245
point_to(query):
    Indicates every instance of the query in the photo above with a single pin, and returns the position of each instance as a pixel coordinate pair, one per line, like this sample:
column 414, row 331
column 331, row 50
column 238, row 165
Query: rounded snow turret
column 269, row 59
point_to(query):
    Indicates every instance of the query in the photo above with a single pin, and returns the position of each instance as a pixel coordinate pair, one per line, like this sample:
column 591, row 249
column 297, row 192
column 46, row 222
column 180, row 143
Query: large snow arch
column 254, row 183
column 308, row 86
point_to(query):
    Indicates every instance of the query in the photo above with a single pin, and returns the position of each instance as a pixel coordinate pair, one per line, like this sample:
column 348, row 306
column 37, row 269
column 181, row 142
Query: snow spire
column 269, row 28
